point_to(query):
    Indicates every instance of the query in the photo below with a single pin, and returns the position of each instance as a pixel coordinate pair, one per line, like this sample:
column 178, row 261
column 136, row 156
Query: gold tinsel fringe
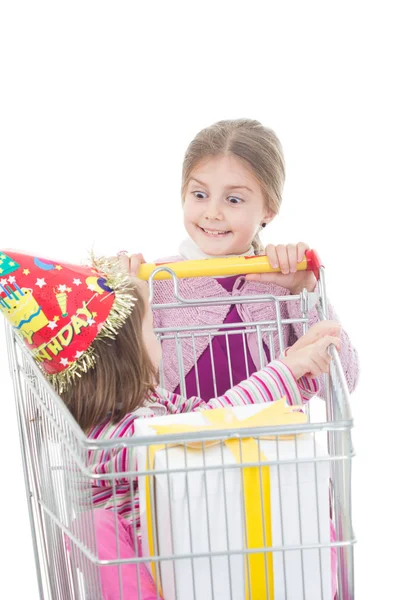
column 121, row 284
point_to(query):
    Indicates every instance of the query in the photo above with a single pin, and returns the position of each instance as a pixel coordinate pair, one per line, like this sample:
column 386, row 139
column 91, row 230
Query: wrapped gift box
column 203, row 508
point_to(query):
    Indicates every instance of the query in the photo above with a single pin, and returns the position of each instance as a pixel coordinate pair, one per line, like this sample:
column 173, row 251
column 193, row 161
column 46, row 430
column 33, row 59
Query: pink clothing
column 208, row 287
column 115, row 541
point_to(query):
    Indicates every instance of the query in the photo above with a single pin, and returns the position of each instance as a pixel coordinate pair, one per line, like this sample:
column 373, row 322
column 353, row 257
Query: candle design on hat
column 22, row 311
column 61, row 297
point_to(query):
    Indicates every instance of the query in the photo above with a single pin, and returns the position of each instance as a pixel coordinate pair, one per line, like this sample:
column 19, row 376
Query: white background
column 98, row 103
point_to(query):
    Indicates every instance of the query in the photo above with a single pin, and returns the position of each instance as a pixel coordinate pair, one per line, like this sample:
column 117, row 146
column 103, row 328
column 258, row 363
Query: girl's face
column 150, row 340
column 224, row 206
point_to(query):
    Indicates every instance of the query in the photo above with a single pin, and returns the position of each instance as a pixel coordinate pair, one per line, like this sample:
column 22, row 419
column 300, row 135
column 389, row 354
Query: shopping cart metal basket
column 56, row 457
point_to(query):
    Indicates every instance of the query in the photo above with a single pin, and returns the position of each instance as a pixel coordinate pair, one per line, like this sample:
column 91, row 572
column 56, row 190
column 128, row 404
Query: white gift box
column 202, row 511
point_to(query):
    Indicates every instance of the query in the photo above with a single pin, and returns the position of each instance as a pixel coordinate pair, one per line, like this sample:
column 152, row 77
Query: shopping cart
column 56, row 457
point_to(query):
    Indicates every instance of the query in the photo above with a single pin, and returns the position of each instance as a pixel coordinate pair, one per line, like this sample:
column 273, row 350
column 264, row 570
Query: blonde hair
column 252, row 143
column 121, row 379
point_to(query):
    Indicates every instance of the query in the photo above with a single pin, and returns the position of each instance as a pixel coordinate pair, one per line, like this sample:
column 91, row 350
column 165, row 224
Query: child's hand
column 311, row 360
column 130, row 263
column 315, row 333
column 287, row 257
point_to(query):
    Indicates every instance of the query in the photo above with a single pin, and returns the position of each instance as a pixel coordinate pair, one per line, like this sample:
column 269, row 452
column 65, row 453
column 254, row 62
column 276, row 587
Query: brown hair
column 121, row 379
column 252, row 143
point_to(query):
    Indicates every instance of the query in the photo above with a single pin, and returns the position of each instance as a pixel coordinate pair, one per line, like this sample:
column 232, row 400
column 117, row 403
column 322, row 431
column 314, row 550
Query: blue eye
column 234, row 200
column 200, row 195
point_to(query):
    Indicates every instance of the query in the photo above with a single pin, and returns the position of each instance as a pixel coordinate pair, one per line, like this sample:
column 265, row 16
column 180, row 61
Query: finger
column 264, row 277
column 143, row 287
column 292, row 257
column 331, row 328
column 137, row 256
column 335, row 332
column 283, row 259
column 325, row 328
column 323, row 361
column 327, row 340
column 270, row 251
column 311, row 335
column 113, row 259
column 332, row 323
column 336, row 341
column 135, row 262
column 301, row 250
column 318, row 334
column 254, row 277
column 316, row 358
column 315, row 369
column 124, row 262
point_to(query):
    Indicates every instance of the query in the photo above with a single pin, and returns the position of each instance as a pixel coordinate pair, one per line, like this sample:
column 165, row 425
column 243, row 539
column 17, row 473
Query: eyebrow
column 230, row 187
column 240, row 187
column 197, row 181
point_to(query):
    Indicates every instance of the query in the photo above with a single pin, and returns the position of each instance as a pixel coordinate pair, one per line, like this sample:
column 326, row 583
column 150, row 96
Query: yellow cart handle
column 235, row 265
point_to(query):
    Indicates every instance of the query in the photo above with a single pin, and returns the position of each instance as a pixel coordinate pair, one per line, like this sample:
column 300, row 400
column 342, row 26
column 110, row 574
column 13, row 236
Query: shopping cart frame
column 49, row 528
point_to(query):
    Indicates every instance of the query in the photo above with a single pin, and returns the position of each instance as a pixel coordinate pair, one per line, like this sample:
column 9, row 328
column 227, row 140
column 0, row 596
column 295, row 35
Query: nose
column 213, row 211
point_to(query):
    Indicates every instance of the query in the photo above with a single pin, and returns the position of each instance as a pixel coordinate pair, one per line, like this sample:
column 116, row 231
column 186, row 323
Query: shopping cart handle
column 235, row 265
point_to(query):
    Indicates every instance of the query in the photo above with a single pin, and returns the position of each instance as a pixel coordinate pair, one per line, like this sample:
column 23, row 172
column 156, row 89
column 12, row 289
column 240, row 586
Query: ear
column 269, row 216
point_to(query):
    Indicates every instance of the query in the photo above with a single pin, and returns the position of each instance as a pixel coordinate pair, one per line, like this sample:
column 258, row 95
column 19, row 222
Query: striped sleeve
column 308, row 386
column 267, row 385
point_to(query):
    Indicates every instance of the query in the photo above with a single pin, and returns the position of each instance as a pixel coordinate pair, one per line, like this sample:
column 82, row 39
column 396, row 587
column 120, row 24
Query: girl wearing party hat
column 90, row 329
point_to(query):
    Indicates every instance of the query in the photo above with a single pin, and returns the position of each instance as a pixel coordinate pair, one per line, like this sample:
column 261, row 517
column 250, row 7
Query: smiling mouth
column 214, row 232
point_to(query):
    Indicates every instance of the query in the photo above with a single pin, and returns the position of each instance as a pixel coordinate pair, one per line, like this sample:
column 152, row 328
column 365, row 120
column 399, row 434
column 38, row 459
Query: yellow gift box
column 251, row 574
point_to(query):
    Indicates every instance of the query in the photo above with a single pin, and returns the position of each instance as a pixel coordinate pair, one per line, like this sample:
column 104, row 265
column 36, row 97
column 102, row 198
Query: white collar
column 189, row 250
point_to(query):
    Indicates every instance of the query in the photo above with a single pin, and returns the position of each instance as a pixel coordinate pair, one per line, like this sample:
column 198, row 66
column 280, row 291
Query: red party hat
column 59, row 309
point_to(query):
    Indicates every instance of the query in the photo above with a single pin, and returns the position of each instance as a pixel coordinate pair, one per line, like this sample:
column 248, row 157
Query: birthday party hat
column 59, row 309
